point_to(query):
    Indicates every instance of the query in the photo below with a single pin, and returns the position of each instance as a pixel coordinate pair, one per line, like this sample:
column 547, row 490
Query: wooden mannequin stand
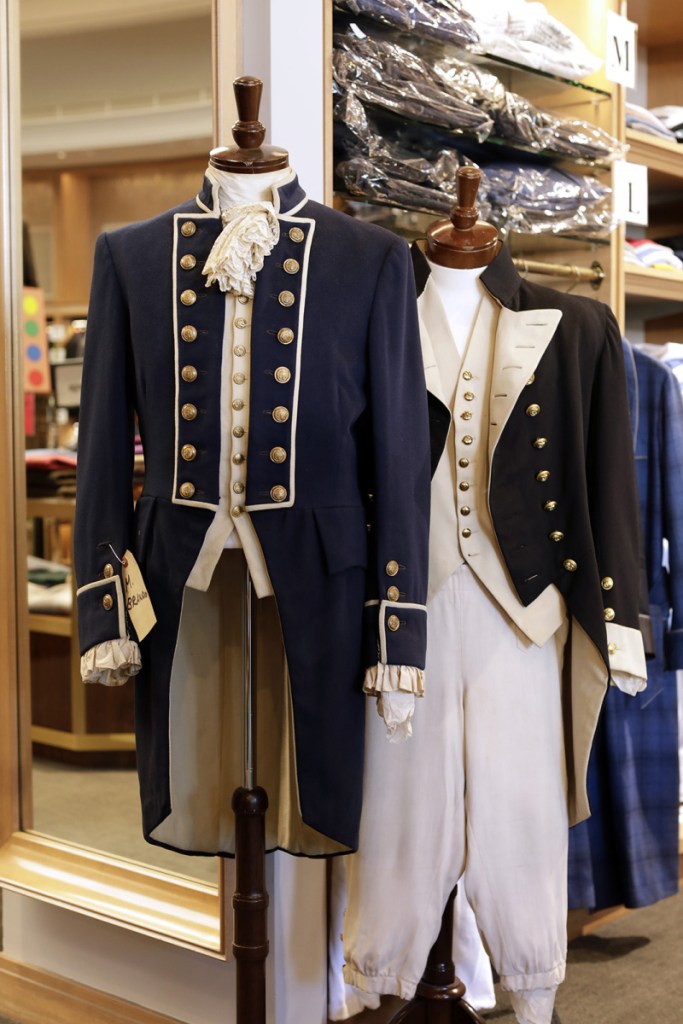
column 249, row 801
column 461, row 242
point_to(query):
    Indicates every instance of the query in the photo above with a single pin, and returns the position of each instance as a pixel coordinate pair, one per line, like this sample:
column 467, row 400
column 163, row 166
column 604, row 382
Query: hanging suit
column 337, row 411
column 627, row 852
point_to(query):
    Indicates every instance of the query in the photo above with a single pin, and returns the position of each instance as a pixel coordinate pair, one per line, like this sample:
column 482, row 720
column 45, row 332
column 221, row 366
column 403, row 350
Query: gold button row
column 188, row 262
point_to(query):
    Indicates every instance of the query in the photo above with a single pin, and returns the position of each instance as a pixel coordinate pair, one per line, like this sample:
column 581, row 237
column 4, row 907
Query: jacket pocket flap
column 344, row 537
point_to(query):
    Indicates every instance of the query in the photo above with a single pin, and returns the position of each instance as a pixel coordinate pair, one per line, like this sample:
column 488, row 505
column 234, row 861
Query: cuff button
column 107, row 602
column 393, row 594
column 394, row 623
column 391, row 568
column 108, row 571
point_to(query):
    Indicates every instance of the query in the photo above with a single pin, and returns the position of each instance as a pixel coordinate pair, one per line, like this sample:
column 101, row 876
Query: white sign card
column 630, row 192
column 621, row 55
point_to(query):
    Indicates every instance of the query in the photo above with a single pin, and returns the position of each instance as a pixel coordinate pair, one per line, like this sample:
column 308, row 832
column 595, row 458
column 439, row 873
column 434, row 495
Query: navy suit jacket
column 358, row 426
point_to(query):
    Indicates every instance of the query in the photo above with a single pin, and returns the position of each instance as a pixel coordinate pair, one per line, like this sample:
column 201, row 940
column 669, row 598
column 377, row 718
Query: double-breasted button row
column 188, row 228
column 280, row 414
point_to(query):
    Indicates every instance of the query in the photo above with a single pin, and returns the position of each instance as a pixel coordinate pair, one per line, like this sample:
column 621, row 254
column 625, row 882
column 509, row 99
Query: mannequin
column 523, row 548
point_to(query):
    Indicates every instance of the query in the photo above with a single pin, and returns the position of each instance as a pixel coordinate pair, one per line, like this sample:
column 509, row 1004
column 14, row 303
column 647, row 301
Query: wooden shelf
column 657, row 27
column 658, row 285
column 54, row 625
column 664, row 159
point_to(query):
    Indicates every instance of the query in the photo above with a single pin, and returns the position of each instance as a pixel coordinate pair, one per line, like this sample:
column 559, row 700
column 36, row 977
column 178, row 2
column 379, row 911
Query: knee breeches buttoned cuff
column 381, row 984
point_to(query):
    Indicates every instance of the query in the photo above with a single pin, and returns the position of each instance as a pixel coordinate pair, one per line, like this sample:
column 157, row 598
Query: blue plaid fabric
column 627, row 851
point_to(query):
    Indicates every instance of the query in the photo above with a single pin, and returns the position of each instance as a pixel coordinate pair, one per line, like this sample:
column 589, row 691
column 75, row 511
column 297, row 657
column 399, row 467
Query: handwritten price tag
column 138, row 603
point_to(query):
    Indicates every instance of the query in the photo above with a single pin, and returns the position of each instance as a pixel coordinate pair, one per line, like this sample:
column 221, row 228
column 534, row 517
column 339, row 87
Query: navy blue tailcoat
column 358, row 426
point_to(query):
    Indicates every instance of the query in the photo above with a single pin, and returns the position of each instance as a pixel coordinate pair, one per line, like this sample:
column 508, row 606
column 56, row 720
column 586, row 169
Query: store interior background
column 117, row 121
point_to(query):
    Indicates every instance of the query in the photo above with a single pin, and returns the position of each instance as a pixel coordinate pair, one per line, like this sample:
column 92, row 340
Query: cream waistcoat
column 480, row 390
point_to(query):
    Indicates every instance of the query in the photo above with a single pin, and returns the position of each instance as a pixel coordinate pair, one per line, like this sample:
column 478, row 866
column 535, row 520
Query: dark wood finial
column 461, row 241
column 249, row 155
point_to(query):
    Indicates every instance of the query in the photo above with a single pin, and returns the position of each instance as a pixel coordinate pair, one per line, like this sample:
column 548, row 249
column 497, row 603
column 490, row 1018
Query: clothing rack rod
column 594, row 274
column 248, row 705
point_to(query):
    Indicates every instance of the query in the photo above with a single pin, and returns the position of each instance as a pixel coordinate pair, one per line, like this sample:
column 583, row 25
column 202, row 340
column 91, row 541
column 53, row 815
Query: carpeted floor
column 629, row 973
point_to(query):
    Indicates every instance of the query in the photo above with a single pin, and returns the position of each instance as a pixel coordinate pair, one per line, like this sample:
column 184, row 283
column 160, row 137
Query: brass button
column 189, row 373
column 467, row 375
column 531, row 379
column 238, row 431
column 391, row 568
column 108, row 570
column 188, row 297
column 467, row 439
column 285, row 335
column 469, row 396
column 280, row 414
column 393, row 593
column 186, row 490
column 282, row 375
column 291, row 266
column 189, row 333
column 240, row 322
column 464, row 486
column 465, row 510
column 467, row 532
column 188, row 228
column 236, row 510
column 550, row 506
column 532, row 410
column 394, row 623
column 188, row 452
column 612, row 648
column 556, row 535
column 107, row 602
column 188, row 262
column 606, row 582
column 238, row 487
column 239, row 350
column 238, row 458
column 540, row 442
column 286, row 298
column 543, row 475
column 609, row 614
column 238, row 404
column 278, row 493
column 238, row 378
column 243, row 299
column 188, row 411
column 296, row 234
column 464, row 463
column 278, row 455
column 466, row 415
column 570, row 565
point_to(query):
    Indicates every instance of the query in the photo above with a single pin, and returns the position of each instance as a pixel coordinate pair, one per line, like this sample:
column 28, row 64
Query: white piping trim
column 297, row 371
column 176, row 359
column 116, row 580
column 369, row 604
column 382, row 624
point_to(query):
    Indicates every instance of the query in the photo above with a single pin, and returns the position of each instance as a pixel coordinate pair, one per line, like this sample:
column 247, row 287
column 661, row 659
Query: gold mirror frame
column 158, row 903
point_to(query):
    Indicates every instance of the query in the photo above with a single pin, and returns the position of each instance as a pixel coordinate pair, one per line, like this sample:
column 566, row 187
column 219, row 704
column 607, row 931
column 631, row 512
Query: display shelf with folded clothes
column 465, row 98
column 389, row 162
column 525, row 34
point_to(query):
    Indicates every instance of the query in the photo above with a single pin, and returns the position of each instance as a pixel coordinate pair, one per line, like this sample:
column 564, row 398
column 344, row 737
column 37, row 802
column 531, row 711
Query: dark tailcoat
column 357, row 426
column 562, row 489
column 628, row 851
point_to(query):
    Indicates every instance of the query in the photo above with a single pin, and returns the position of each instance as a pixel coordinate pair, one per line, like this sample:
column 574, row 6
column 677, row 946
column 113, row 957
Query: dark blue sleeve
column 672, row 492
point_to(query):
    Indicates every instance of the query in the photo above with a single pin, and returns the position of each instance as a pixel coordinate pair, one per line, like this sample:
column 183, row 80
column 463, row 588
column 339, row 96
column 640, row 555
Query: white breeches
column 479, row 791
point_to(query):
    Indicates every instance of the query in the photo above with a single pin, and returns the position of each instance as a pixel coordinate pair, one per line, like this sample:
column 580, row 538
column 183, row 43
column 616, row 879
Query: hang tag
column 630, row 192
column 138, row 602
column 621, row 55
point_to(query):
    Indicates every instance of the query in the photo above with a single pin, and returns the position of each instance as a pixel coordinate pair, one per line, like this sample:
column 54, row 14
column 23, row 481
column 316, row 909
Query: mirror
column 116, row 128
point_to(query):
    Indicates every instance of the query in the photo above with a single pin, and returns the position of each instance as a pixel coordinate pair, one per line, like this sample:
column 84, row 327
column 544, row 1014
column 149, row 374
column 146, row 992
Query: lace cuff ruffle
column 396, row 687
column 111, row 663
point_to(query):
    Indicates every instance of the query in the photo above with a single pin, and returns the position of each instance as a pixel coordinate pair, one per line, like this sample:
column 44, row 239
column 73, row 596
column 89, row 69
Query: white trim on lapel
column 291, row 490
column 521, row 340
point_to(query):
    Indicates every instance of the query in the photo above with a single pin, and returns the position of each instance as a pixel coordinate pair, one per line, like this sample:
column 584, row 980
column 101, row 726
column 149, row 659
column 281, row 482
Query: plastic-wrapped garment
column 386, row 75
column 518, row 121
column 437, row 19
column 367, row 180
column 527, row 34
column 539, row 199
column 456, row 95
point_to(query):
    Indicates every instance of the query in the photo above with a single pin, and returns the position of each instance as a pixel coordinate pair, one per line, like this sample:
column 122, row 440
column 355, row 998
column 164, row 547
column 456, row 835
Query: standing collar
column 287, row 197
column 500, row 277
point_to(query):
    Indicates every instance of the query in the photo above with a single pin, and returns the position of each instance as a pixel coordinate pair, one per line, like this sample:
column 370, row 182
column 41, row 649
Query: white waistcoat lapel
column 521, row 341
